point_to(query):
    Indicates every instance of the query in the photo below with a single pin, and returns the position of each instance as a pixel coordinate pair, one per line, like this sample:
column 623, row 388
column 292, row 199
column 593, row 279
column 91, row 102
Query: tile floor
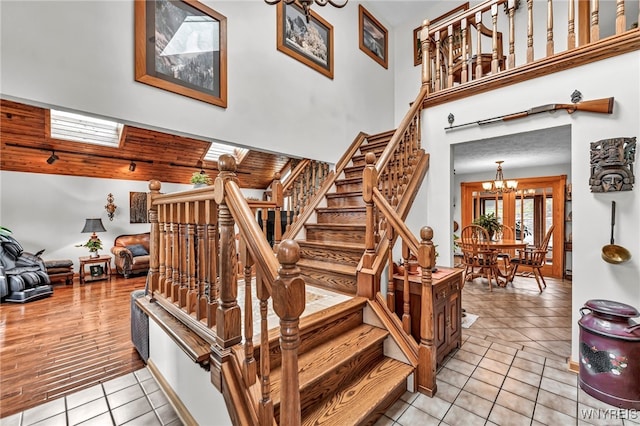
column 510, row 370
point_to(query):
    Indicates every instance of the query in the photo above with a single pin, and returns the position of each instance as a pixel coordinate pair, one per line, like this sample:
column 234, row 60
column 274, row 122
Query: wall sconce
column 110, row 207
column 132, row 166
column 52, row 159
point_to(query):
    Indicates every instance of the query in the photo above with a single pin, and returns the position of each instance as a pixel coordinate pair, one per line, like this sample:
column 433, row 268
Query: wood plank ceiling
column 26, row 145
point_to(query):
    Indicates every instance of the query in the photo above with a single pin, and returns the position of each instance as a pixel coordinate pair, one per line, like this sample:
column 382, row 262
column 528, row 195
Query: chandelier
column 499, row 185
column 306, row 4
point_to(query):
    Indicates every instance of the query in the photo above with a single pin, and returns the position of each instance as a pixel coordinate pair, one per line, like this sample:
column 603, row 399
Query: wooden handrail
column 295, row 173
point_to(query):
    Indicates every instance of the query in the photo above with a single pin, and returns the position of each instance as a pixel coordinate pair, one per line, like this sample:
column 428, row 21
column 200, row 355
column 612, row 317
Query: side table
column 96, row 272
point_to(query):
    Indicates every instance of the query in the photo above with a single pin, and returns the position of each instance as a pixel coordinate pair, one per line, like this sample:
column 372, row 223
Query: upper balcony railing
column 499, row 41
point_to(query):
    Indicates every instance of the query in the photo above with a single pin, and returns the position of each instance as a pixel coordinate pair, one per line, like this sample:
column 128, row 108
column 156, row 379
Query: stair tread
column 339, row 209
column 340, row 268
column 355, row 402
column 313, row 364
column 344, row 194
column 336, row 245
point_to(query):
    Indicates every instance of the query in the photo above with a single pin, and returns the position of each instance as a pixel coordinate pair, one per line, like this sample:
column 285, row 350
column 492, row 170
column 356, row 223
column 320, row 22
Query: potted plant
column 522, row 231
column 489, row 222
column 200, row 178
column 94, row 244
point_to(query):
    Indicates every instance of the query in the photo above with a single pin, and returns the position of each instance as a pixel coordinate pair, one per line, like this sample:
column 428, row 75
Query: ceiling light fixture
column 52, row 158
column 306, row 4
column 499, row 185
column 132, row 167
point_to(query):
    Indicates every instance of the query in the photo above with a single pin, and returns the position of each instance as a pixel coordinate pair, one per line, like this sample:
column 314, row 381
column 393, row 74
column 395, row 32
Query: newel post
column 154, row 241
column 427, row 349
column 289, row 303
column 228, row 315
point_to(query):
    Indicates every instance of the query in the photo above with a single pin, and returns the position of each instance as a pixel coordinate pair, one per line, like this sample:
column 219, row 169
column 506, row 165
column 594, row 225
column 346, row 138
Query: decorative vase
column 93, row 254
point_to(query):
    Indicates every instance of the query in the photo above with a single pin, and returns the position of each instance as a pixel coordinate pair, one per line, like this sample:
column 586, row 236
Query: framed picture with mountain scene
column 308, row 42
column 373, row 37
column 181, row 46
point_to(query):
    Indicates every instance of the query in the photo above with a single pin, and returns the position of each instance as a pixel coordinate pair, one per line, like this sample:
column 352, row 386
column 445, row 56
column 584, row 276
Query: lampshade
column 93, row 225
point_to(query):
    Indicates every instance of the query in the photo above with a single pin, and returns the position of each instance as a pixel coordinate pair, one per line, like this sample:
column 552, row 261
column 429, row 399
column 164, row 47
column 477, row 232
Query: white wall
column 187, row 379
column 618, row 77
column 80, row 55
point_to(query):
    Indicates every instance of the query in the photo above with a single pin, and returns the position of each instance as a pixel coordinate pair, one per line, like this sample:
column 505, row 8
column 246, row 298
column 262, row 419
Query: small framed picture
column 96, row 270
column 374, row 38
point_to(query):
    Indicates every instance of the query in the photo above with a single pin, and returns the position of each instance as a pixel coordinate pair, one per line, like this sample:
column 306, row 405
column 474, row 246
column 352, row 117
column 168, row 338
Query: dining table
column 501, row 246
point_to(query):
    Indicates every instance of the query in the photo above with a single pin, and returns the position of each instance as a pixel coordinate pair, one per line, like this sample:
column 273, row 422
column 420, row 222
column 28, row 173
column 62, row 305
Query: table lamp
column 94, row 244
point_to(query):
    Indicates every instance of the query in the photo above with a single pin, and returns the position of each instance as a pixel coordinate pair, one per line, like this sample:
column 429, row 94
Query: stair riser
column 332, row 235
column 330, row 281
column 348, row 186
column 342, row 216
column 353, row 172
column 331, row 254
column 346, row 201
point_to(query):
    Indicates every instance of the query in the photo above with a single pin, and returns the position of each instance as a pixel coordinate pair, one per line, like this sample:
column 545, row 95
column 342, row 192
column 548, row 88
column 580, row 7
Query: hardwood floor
column 78, row 337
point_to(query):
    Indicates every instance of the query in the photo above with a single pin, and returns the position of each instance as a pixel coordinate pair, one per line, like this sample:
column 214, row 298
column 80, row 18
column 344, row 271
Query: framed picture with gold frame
column 373, row 37
column 167, row 57
column 417, row 51
column 308, row 42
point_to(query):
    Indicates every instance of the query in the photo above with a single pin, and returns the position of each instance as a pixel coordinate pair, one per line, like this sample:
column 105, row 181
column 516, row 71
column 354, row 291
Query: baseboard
column 182, row 411
column 574, row 367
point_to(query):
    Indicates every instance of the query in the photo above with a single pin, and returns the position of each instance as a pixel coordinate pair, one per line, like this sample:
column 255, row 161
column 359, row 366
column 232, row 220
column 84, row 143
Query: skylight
column 82, row 128
column 217, row 149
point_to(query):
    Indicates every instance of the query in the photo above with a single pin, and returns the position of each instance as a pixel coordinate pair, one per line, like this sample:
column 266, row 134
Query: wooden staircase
column 345, row 378
column 335, row 243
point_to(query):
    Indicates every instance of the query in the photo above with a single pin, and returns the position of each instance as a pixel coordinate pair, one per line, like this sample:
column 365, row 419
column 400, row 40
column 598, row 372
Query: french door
column 537, row 204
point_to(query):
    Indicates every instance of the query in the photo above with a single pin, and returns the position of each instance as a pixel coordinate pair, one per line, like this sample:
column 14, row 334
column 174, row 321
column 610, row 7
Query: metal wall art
column 612, row 164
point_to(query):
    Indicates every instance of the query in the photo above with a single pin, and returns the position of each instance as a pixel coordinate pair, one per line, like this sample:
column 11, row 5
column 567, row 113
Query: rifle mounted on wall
column 601, row 106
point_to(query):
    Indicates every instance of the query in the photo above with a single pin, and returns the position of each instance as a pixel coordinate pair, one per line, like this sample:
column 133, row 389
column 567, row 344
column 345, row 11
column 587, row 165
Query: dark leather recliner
column 23, row 276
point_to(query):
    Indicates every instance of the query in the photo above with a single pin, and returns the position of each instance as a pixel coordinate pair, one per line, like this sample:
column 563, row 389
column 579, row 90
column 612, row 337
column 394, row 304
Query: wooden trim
column 175, row 401
column 603, row 49
column 574, row 367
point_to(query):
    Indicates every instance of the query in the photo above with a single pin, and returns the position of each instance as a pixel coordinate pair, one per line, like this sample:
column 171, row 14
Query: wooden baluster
column 464, row 74
column 391, row 290
column 175, row 253
column 155, row 238
column 289, row 303
column 201, row 251
column 427, row 349
column 494, row 39
column 621, row 22
column 511, row 61
column 249, row 365
column 571, row 30
column 406, row 293
column 265, row 407
column 168, row 259
column 479, row 43
column 529, row 31
column 450, row 58
column 426, row 59
column 182, row 244
column 192, row 294
column 438, row 65
column 595, row 26
column 211, row 226
column 369, row 181
column 278, row 198
column 549, row 27
column 162, row 250
column 228, row 316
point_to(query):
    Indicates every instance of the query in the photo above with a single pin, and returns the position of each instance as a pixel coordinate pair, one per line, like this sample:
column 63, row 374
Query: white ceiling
column 396, row 12
column 530, row 149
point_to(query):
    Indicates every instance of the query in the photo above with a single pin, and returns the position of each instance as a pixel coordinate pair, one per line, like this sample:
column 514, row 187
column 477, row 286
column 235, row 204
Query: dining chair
column 506, row 233
column 477, row 255
column 534, row 258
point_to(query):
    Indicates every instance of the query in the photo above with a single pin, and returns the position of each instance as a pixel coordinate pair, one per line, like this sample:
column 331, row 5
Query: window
column 217, row 149
column 82, row 128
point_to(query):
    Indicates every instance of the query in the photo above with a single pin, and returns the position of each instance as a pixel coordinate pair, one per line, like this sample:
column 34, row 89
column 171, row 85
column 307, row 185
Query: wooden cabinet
column 447, row 307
